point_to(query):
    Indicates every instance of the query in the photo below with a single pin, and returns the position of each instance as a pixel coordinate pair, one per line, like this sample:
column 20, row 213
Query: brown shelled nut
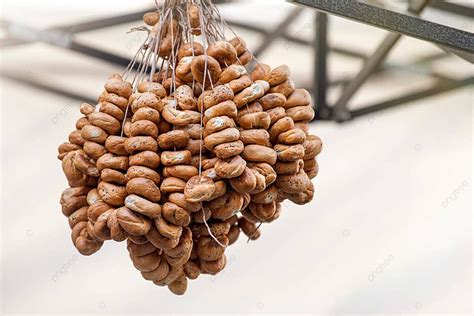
column 196, row 150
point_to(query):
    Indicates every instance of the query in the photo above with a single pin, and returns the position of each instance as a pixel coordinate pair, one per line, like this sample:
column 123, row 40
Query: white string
column 255, row 231
column 209, row 229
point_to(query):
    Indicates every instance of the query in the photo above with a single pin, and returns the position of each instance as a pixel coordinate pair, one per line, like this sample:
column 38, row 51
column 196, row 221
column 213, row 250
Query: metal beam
column 404, row 24
column 45, row 87
column 320, row 66
column 277, row 31
column 297, row 40
column 95, row 24
column 453, row 7
column 370, row 66
column 440, row 87
column 62, row 39
column 98, row 53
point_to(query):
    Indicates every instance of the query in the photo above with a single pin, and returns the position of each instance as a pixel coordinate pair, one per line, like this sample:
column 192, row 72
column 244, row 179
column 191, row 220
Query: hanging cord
column 254, row 232
column 224, row 23
column 150, row 45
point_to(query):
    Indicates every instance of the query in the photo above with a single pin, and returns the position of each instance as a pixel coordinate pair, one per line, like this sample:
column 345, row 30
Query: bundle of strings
column 194, row 143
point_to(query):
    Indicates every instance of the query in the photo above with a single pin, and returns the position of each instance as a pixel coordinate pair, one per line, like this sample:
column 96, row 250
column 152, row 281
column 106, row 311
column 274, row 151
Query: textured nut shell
column 133, row 223
column 230, row 168
column 208, row 249
column 142, row 172
column 142, row 206
column 289, row 152
column 292, row 137
column 289, row 167
column 239, row 45
column 223, row 52
column 286, row 88
column 145, row 188
column 180, row 200
column 171, row 158
column 184, row 172
column 199, row 188
column 312, row 146
column 112, row 194
column 146, row 158
column 172, row 184
column 200, row 63
column 245, row 183
column 175, row 215
column 213, row 267
column 278, row 75
column 296, row 183
column 229, row 149
column 301, row 113
column 259, row 153
column 298, row 97
column 260, row 71
column 136, row 144
column 171, row 139
column 115, row 145
column 255, row 120
column 179, row 286
column 256, row 137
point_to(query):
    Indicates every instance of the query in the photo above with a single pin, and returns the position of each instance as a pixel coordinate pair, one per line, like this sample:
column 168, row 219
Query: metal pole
column 320, row 66
column 440, row 87
column 340, row 108
column 278, row 31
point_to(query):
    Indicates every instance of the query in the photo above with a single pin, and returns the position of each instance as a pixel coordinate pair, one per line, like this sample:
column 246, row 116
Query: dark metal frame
column 458, row 42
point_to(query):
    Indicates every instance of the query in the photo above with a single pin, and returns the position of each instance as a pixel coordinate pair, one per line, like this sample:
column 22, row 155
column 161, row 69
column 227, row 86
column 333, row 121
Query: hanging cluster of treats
column 192, row 150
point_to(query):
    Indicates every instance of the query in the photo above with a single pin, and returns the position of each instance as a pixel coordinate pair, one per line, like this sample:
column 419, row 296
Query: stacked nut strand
column 80, row 157
column 222, row 140
column 259, row 152
column 287, row 138
column 105, row 145
column 78, row 167
column 75, row 206
column 155, row 265
column 75, row 139
column 166, row 232
column 142, row 180
column 236, row 78
column 253, row 124
column 298, row 107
